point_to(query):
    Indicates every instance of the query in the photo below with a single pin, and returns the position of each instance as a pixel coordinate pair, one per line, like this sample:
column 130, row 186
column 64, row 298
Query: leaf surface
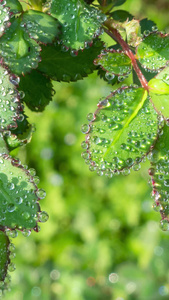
column 4, row 257
column 14, row 6
column 153, row 52
column 19, row 51
column 4, row 17
column 40, row 93
column 159, row 172
column 121, row 15
column 121, row 132
column 19, row 195
column 159, row 92
column 9, row 100
column 63, row 64
column 40, row 26
column 113, row 62
column 80, row 22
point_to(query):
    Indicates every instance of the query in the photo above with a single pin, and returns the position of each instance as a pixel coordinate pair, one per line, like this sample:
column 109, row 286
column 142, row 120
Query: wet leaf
column 9, row 99
column 153, row 52
column 40, row 93
column 17, row 140
column 19, row 51
column 116, row 63
column 121, row 131
column 14, row 6
column 159, row 92
column 160, row 179
column 147, row 26
column 4, row 257
column 80, row 22
column 40, row 26
column 4, row 17
column 19, row 195
column 63, row 64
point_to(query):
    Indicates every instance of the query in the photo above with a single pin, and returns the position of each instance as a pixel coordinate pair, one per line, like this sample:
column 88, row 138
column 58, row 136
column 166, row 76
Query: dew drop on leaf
column 40, row 193
column 43, row 216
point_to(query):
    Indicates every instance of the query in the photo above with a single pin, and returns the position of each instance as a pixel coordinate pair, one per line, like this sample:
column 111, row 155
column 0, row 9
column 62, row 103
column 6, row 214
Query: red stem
column 112, row 32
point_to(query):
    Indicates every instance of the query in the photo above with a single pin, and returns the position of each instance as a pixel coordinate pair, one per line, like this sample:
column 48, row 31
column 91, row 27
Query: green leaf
column 22, row 124
column 80, row 22
column 40, row 93
column 19, row 51
column 14, row 6
column 159, row 92
column 121, row 15
column 153, row 52
column 20, row 135
column 158, row 86
column 17, row 140
column 41, row 26
column 3, row 147
column 63, row 64
column 160, row 179
column 118, row 2
column 9, row 99
column 112, row 3
column 110, row 78
column 121, row 131
column 4, row 257
column 147, row 26
column 4, row 17
column 116, row 63
column 19, row 195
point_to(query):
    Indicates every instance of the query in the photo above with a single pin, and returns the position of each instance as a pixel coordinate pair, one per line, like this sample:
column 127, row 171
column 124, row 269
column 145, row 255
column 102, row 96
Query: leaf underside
column 121, row 132
column 80, row 22
column 153, row 52
column 62, row 64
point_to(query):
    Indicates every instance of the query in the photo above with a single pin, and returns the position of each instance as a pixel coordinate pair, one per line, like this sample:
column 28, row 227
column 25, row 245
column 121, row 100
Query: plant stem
column 112, row 32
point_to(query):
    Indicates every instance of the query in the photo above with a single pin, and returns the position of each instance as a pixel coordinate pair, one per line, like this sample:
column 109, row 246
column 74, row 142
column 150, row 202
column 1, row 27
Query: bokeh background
column 102, row 240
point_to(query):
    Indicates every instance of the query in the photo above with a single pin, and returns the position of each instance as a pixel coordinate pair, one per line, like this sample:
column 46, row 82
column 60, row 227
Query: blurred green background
column 102, row 240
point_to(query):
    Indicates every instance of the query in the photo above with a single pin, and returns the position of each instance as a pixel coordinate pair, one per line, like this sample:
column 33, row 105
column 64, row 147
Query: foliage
column 61, row 40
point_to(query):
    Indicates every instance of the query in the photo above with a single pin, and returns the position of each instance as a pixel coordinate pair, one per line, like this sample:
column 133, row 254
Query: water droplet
column 166, row 182
column 85, row 128
column 40, row 193
column 11, row 207
column 11, row 267
column 164, row 224
column 43, row 216
column 26, row 215
column 26, row 232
